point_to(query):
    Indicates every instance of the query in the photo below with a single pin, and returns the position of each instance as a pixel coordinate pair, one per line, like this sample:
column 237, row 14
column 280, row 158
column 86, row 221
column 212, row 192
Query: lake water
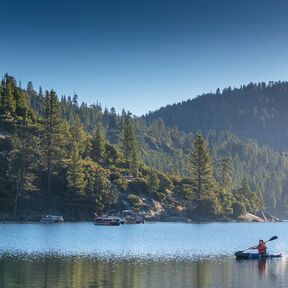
column 149, row 255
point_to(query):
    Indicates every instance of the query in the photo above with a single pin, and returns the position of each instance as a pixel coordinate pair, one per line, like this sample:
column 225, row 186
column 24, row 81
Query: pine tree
column 53, row 137
column 256, row 200
column 99, row 190
column 153, row 182
column 244, row 195
column 29, row 88
column 129, row 146
column 75, row 100
column 22, row 162
column 245, row 189
column 225, row 172
column 8, row 102
column 40, row 93
column 111, row 153
column 201, row 169
column 98, row 144
column 75, row 173
column 112, row 119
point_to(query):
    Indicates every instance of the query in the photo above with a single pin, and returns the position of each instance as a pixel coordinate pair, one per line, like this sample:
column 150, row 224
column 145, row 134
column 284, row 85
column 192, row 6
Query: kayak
column 241, row 255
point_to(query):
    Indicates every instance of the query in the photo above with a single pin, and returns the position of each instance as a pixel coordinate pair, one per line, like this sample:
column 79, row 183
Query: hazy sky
column 142, row 55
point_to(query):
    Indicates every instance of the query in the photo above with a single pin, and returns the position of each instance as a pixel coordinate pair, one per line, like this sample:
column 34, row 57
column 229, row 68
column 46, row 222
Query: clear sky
column 143, row 54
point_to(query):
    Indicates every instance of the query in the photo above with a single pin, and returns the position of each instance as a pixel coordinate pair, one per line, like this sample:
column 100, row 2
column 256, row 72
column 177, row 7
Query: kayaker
column 262, row 248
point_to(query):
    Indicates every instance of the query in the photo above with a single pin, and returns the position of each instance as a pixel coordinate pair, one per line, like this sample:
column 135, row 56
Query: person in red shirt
column 262, row 248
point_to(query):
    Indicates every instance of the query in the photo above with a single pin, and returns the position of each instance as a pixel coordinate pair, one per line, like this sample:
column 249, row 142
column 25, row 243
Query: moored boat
column 48, row 219
column 132, row 217
column 107, row 221
column 246, row 256
column 122, row 221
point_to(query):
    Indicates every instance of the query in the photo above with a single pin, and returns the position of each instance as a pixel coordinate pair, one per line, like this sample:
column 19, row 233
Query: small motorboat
column 48, row 219
column 246, row 256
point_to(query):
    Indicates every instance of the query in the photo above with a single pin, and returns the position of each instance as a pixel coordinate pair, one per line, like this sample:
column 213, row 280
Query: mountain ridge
column 255, row 111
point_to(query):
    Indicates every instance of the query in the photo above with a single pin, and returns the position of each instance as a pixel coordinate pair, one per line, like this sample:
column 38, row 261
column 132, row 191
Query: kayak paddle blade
column 272, row 238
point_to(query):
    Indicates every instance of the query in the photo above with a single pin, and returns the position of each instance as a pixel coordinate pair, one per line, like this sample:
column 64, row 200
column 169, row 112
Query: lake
column 144, row 255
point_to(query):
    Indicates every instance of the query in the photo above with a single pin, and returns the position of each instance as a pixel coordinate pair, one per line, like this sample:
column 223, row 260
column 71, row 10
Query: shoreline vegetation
column 59, row 157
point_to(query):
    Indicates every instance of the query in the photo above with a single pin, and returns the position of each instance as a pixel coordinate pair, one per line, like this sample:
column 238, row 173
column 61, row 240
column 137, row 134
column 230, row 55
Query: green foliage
column 137, row 186
column 225, row 172
column 119, row 181
column 226, row 199
column 75, row 171
column 256, row 110
column 98, row 144
column 135, row 201
column 201, row 169
column 98, row 188
column 238, row 209
column 22, row 163
column 165, row 182
column 153, row 182
column 184, row 191
column 129, row 146
column 206, row 208
column 53, row 137
column 85, row 169
column 8, row 101
column 111, row 154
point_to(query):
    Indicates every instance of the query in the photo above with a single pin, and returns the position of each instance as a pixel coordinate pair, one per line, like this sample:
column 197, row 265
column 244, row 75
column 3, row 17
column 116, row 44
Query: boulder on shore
column 249, row 217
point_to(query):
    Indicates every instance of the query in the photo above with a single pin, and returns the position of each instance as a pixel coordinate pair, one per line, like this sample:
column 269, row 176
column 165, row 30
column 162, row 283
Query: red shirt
column 262, row 248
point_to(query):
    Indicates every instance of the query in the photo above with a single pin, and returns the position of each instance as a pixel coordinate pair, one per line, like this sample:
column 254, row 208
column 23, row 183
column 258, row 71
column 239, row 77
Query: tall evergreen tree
column 75, row 172
column 52, row 137
column 23, row 159
column 112, row 119
column 201, row 169
column 8, row 102
column 153, row 182
column 98, row 144
column 225, row 181
column 40, row 93
column 225, row 172
column 129, row 146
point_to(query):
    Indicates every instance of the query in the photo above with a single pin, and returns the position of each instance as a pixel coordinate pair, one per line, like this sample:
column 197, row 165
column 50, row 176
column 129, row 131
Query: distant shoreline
column 166, row 220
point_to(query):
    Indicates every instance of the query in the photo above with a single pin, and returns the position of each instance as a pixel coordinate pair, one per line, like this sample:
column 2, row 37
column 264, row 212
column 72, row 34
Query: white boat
column 122, row 220
column 52, row 219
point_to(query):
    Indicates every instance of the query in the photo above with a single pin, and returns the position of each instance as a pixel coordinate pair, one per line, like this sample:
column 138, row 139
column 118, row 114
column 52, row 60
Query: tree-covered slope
column 257, row 111
column 70, row 157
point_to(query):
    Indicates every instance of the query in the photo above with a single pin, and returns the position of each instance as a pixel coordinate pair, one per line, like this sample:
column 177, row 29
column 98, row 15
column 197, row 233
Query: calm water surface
column 149, row 255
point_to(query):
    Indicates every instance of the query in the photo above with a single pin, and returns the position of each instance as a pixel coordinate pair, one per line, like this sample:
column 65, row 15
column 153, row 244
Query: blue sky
column 141, row 55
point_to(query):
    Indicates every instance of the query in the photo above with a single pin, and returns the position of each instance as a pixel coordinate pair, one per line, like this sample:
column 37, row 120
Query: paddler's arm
column 254, row 247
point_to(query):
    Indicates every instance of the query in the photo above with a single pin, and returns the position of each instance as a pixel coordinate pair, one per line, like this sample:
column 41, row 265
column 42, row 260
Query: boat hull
column 134, row 221
column 50, row 219
column 246, row 256
column 104, row 224
column 107, row 221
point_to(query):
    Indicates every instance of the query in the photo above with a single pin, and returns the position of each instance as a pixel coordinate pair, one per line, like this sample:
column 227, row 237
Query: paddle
column 271, row 239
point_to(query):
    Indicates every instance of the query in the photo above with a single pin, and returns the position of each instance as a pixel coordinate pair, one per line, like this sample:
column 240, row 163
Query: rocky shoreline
column 6, row 218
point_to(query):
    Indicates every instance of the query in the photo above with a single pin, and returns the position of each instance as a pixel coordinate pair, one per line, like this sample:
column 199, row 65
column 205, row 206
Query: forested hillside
column 257, row 111
column 59, row 155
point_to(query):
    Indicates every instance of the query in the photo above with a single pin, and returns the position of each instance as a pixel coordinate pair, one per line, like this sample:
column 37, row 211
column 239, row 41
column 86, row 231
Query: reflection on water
column 262, row 266
column 81, row 272
column 150, row 255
